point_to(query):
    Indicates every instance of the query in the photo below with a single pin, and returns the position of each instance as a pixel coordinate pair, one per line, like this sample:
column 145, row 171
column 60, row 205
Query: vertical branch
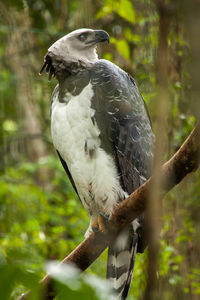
column 22, row 41
column 2, row 138
column 154, row 205
column 191, row 12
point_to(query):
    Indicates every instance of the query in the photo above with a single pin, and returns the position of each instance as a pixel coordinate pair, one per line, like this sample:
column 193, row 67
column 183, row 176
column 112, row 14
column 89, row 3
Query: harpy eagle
column 103, row 136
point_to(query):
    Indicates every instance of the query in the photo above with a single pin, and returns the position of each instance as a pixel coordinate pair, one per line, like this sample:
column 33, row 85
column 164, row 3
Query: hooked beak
column 100, row 36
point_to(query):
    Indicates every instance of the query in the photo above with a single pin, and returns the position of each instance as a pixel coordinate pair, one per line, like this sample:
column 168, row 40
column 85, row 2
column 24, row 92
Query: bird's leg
column 100, row 223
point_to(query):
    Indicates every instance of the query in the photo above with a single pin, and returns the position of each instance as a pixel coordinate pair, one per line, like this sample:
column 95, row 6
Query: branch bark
column 153, row 212
column 184, row 161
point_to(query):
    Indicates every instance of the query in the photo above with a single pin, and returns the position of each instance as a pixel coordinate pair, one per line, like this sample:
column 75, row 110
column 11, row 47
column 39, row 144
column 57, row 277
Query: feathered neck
column 56, row 66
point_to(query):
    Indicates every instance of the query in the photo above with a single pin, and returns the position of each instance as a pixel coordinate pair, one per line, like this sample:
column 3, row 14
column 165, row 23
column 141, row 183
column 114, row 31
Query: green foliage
column 13, row 275
column 122, row 46
column 38, row 224
column 70, row 284
column 124, row 8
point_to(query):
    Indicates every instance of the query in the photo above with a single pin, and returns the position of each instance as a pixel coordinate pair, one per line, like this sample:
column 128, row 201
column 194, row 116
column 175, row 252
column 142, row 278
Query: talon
column 104, row 216
column 100, row 224
column 95, row 226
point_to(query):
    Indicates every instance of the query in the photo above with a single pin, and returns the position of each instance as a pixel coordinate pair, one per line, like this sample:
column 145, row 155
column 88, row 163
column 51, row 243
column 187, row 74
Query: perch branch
column 184, row 161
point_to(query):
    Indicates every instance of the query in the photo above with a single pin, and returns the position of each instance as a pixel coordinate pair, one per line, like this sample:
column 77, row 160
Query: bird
column 103, row 135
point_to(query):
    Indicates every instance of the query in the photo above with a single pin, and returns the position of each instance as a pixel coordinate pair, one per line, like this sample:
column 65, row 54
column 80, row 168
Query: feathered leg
column 121, row 259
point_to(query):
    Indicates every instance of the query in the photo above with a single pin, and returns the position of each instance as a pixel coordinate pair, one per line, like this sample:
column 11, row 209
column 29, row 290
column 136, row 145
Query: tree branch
column 184, row 161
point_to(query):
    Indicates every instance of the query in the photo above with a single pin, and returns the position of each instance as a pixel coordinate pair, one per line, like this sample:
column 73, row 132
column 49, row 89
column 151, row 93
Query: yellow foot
column 100, row 223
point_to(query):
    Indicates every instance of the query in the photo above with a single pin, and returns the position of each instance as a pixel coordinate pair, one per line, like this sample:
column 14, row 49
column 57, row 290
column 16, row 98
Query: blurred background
column 41, row 218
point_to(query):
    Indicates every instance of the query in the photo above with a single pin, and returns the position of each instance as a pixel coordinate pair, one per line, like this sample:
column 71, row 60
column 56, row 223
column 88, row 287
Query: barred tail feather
column 121, row 259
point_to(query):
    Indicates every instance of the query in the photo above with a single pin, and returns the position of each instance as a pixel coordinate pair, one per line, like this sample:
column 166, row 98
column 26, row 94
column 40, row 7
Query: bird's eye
column 82, row 37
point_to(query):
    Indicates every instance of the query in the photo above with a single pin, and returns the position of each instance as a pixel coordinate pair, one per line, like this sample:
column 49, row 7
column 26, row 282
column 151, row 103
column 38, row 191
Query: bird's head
column 77, row 46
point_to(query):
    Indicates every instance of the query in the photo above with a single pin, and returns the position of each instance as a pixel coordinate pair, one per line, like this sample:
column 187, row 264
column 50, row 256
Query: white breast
column 95, row 176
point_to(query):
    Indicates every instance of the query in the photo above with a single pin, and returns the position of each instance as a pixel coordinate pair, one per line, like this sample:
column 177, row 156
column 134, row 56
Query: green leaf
column 71, row 285
column 123, row 48
column 105, row 10
column 126, row 10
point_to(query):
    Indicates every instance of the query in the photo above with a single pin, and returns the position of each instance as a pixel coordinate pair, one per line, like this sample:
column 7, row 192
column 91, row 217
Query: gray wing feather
column 64, row 164
column 123, row 120
column 126, row 134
